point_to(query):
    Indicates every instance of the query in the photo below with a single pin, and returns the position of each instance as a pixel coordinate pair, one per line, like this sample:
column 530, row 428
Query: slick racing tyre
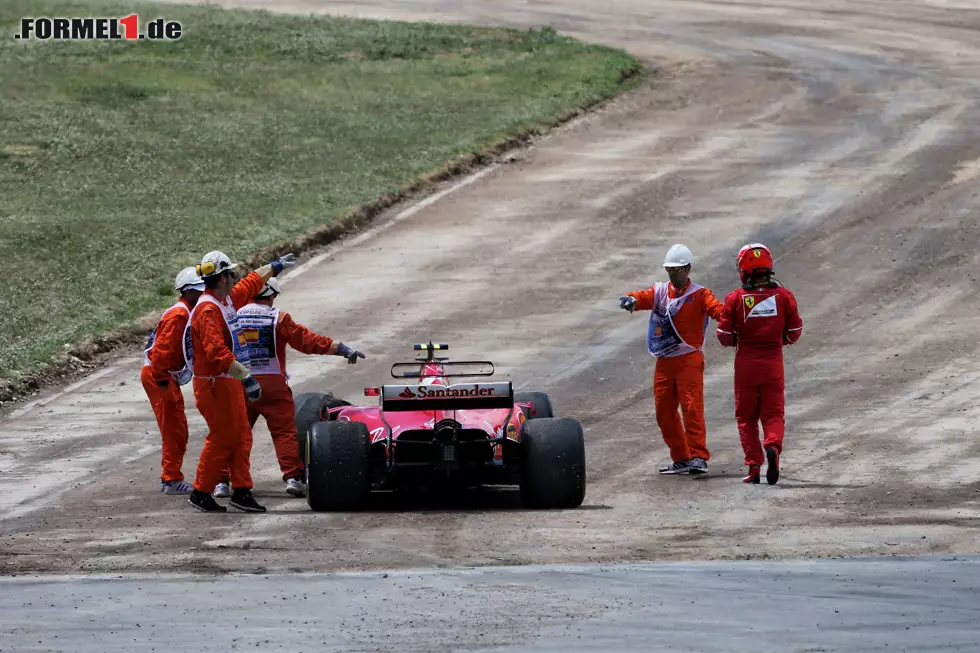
column 552, row 463
column 309, row 407
column 337, row 467
column 540, row 404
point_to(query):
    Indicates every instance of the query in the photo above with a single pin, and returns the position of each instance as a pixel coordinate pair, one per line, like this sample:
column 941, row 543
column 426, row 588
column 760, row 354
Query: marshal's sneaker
column 682, row 467
column 244, row 501
column 295, row 488
column 698, row 466
column 205, row 502
column 772, row 471
column 222, row 491
column 176, row 487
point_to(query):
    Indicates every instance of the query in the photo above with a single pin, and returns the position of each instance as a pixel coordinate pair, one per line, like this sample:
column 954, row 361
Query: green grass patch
column 122, row 162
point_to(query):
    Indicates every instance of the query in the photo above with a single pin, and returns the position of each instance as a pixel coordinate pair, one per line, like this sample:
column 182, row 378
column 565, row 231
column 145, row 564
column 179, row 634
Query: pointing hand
column 627, row 303
column 350, row 354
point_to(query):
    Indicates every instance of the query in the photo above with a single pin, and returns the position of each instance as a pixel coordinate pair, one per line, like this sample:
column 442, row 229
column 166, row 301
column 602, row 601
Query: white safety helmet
column 188, row 279
column 215, row 263
column 270, row 289
column 678, row 256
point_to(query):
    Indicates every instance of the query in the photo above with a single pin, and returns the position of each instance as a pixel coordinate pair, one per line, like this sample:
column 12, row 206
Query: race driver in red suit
column 758, row 319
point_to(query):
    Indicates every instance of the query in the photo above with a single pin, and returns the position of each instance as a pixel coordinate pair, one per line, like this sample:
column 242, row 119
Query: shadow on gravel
column 802, row 484
column 483, row 500
column 785, row 482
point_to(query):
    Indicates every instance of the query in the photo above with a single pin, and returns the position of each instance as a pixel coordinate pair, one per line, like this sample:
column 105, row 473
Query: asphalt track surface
column 844, row 135
column 720, row 607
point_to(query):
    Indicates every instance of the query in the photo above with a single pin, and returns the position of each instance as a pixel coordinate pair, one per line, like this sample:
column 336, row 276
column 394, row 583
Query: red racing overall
column 759, row 322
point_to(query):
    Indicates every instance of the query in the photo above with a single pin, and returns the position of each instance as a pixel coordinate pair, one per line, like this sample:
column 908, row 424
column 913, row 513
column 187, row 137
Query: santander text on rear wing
column 462, row 396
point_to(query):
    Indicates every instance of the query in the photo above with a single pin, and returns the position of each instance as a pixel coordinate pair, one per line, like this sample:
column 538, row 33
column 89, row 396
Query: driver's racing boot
column 244, row 501
column 753, row 476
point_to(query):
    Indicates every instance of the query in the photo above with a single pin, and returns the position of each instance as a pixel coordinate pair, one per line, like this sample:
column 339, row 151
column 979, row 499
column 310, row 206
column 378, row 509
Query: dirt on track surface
column 847, row 137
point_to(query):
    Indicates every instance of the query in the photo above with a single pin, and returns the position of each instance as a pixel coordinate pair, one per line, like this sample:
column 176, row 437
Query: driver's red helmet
column 751, row 258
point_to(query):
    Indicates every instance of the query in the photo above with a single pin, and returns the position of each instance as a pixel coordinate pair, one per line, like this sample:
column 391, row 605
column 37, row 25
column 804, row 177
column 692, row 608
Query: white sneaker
column 682, row 467
column 698, row 466
column 295, row 487
column 222, row 491
column 176, row 487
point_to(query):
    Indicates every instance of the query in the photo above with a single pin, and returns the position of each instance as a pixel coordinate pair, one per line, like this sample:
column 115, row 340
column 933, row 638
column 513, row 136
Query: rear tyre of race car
column 552, row 463
column 540, row 404
column 337, row 469
column 309, row 406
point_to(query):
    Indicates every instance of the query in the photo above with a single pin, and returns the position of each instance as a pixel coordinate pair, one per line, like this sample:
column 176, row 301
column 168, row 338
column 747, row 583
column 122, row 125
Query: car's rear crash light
column 449, row 453
column 415, row 447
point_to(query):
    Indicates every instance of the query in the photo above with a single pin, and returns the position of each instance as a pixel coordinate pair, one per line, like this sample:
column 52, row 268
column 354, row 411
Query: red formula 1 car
column 434, row 431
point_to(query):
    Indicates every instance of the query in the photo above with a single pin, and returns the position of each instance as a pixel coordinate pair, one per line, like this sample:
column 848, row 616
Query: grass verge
column 122, row 162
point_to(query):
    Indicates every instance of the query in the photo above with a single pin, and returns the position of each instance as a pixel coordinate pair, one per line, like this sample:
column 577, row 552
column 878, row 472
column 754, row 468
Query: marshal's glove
column 627, row 303
column 184, row 376
column 350, row 354
column 284, row 262
column 252, row 388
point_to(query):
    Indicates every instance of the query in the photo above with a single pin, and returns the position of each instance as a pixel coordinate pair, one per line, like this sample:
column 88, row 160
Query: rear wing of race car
column 446, row 369
column 462, row 396
column 430, row 365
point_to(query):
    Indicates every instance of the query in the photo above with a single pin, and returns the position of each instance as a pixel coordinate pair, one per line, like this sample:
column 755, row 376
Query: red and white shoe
column 753, row 476
column 772, row 471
